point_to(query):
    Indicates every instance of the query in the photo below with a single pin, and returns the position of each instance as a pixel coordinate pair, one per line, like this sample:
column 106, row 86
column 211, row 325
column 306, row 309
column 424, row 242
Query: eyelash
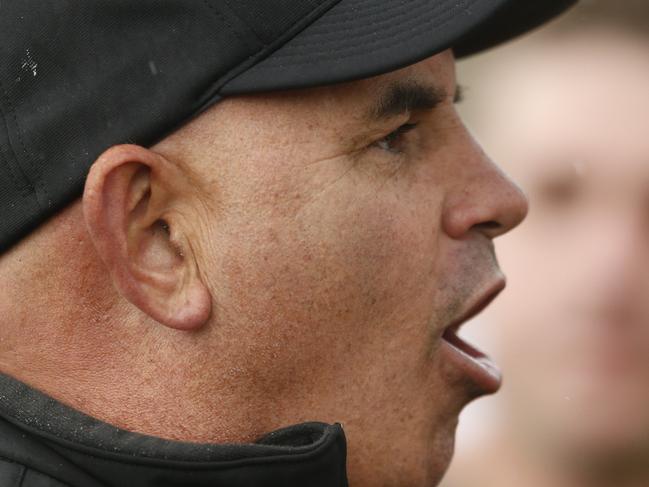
column 384, row 143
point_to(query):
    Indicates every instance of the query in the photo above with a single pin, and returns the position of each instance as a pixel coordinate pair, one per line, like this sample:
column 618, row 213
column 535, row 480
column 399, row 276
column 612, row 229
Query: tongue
column 473, row 354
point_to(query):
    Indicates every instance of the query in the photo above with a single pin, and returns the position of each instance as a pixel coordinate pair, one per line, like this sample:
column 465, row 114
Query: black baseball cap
column 77, row 77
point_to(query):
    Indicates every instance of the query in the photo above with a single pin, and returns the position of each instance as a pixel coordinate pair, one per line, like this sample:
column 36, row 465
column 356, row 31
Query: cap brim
column 361, row 38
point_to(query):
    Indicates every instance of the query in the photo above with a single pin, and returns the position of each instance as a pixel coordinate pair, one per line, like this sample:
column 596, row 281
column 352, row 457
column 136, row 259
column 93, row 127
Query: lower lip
column 473, row 363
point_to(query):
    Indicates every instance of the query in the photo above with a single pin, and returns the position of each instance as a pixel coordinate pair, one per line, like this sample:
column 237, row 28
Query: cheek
column 350, row 266
column 359, row 259
column 337, row 291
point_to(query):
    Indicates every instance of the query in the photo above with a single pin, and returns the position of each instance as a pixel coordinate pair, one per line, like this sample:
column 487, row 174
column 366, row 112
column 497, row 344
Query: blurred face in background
column 573, row 129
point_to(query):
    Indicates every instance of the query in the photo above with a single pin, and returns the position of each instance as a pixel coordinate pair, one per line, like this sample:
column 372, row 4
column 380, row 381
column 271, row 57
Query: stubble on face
column 329, row 265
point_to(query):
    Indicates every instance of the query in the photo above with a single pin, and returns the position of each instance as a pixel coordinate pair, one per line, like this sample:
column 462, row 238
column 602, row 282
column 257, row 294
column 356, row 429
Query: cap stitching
column 360, row 5
column 409, row 20
column 336, row 55
column 347, row 17
column 443, row 6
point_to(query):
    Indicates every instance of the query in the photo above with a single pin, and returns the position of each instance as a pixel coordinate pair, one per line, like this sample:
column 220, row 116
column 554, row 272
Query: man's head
column 573, row 332
column 284, row 257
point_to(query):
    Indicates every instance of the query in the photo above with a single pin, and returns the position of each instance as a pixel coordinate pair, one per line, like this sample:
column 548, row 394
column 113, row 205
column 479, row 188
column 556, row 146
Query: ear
column 130, row 208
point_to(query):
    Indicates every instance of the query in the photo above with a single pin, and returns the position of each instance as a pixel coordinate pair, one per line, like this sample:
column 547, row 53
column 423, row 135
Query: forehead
column 336, row 99
column 306, row 117
column 315, row 120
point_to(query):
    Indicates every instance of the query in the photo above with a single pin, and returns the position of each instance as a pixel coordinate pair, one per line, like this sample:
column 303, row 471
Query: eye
column 558, row 191
column 393, row 141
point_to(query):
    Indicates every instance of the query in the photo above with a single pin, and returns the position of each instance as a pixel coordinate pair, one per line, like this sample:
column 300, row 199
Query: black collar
column 49, row 437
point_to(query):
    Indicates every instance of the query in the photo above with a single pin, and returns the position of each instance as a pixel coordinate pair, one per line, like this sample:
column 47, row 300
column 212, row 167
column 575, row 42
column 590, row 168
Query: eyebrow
column 407, row 96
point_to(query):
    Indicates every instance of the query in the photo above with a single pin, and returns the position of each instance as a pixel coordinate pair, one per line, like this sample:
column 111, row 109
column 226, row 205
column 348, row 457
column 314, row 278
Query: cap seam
column 26, row 187
column 212, row 93
column 39, row 190
column 6, row 157
column 255, row 14
column 251, row 29
column 231, row 28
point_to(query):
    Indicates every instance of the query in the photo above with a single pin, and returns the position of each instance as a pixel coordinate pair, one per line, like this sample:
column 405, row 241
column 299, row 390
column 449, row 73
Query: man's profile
column 284, row 226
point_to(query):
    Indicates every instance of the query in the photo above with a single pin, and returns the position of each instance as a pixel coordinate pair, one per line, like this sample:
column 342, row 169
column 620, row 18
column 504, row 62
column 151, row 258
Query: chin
column 432, row 472
column 445, row 455
column 414, row 463
column 439, row 457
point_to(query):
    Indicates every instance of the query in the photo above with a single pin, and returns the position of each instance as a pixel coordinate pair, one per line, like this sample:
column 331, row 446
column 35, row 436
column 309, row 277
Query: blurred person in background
column 572, row 329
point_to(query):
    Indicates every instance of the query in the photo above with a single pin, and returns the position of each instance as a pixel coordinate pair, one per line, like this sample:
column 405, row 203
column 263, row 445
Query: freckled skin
column 333, row 266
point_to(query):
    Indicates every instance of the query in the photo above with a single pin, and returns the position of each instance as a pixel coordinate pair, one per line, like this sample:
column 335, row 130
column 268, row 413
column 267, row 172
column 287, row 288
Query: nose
column 486, row 200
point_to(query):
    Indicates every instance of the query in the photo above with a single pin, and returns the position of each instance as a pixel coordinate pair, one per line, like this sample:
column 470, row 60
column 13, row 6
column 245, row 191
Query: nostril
column 490, row 225
column 490, row 228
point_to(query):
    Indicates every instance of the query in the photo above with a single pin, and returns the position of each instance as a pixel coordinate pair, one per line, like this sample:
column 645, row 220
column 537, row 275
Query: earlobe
column 129, row 207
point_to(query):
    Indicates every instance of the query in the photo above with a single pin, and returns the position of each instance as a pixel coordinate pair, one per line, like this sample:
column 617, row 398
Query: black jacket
column 44, row 443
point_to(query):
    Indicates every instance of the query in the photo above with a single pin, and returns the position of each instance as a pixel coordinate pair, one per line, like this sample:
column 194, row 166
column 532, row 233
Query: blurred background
column 565, row 111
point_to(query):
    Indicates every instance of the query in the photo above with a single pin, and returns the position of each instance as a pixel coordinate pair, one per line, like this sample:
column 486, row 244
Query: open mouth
column 474, row 363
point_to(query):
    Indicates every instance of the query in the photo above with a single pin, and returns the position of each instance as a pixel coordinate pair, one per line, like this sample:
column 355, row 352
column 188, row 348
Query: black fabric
column 77, row 77
column 42, row 440
column 363, row 38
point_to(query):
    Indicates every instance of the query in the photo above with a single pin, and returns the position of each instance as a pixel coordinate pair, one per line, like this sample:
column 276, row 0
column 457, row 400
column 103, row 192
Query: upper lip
column 479, row 303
